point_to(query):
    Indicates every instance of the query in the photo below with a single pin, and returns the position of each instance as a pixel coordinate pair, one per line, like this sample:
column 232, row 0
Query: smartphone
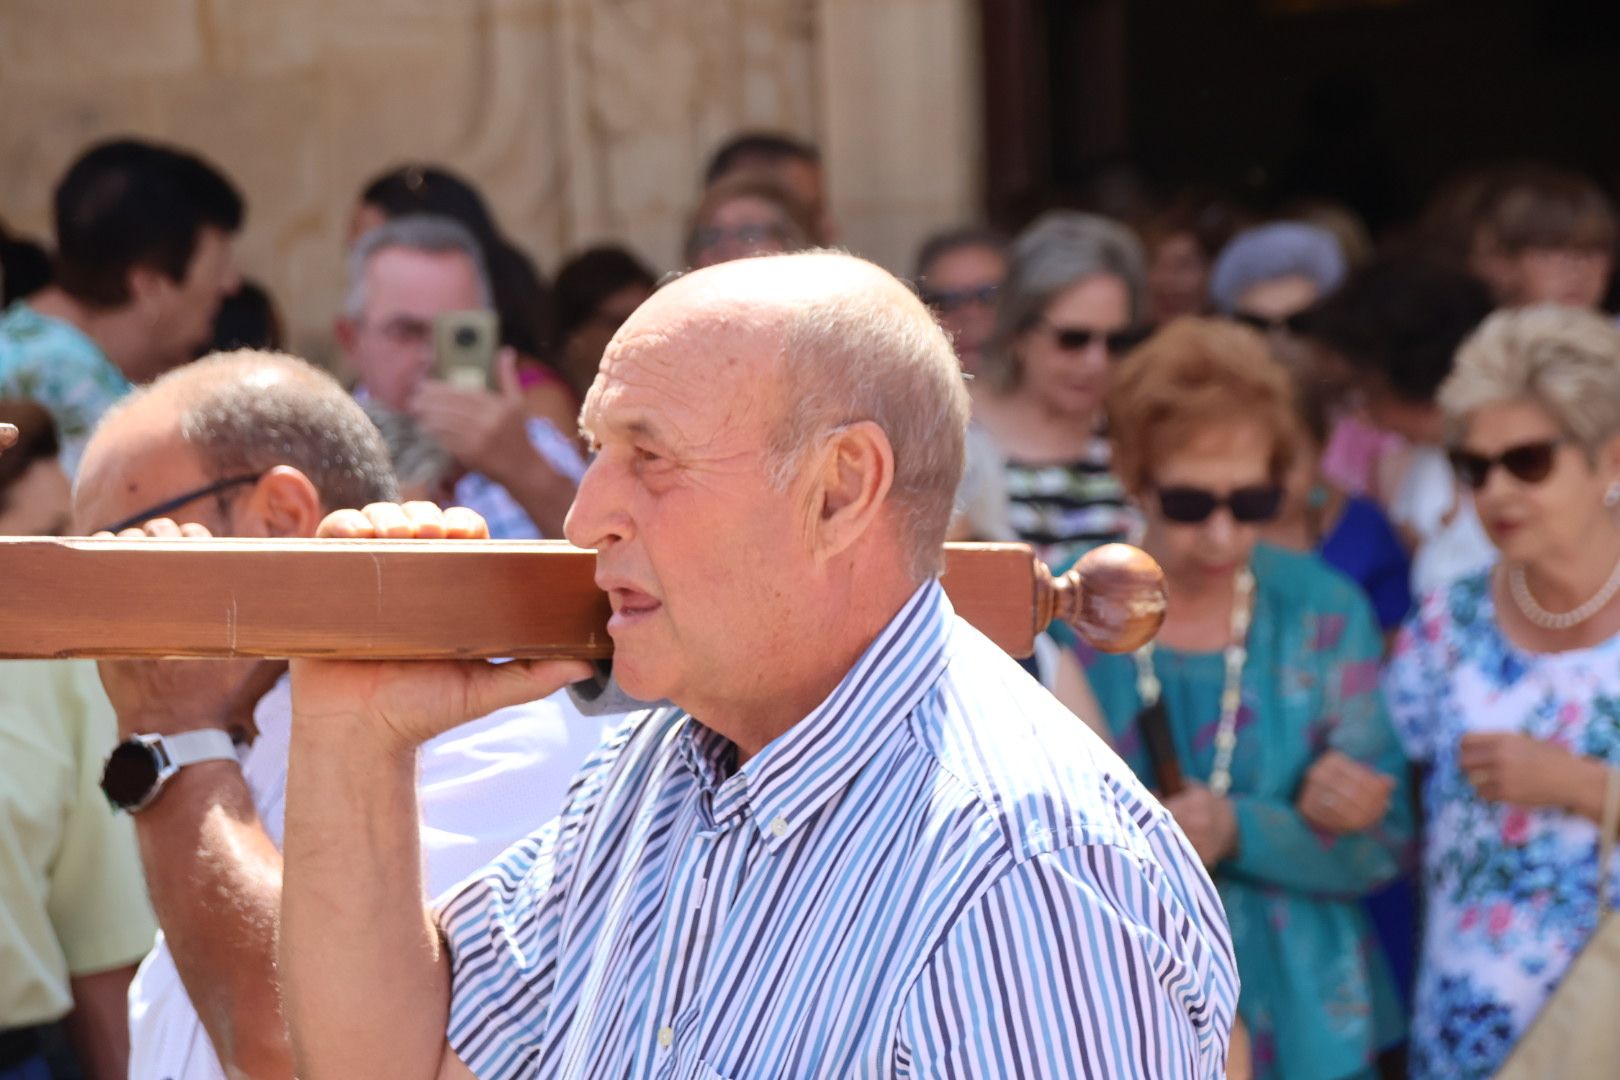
column 464, row 344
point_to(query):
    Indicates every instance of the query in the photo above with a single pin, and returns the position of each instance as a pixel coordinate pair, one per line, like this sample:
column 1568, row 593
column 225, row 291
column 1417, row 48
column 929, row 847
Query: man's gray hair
column 853, row 358
column 246, row 412
column 1059, row 250
column 431, row 233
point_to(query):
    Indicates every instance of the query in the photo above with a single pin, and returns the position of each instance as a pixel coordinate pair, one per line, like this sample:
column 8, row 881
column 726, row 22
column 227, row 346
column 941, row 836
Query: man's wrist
column 149, row 721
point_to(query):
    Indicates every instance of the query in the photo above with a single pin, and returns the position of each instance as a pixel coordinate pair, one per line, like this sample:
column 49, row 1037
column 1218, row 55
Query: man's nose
column 597, row 518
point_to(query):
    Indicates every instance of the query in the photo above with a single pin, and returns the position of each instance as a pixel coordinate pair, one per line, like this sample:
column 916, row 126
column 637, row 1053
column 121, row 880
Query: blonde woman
column 1506, row 685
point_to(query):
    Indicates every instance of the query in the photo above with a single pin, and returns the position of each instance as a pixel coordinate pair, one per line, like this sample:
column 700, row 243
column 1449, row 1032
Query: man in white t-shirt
column 263, row 446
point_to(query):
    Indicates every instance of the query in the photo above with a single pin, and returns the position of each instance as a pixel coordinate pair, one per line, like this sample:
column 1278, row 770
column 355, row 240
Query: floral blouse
column 1511, row 892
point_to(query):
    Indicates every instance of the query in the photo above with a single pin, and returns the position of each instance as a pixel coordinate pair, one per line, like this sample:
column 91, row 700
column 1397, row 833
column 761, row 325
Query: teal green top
column 53, row 363
column 1317, row 995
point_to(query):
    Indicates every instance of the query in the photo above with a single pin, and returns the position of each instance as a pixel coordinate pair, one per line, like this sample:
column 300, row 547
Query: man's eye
column 643, row 454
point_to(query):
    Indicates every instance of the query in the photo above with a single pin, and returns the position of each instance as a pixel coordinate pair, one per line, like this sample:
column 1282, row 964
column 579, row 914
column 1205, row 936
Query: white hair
column 862, row 357
column 431, row 233
column 1565, row 359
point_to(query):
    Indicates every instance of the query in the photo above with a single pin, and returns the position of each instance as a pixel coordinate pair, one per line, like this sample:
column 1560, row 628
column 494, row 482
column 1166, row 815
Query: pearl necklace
column 1236, row 655
column 1548, row 620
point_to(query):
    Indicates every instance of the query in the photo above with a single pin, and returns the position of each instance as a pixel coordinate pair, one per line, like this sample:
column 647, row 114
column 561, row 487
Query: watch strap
column 191, row 747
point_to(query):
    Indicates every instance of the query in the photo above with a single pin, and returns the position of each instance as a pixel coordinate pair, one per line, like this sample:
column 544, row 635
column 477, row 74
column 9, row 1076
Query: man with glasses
column 259, row 445
column 516, row 471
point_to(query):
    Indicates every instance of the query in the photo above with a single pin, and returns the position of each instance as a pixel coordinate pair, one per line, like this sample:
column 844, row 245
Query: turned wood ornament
column 428, row 599
column 8, row 435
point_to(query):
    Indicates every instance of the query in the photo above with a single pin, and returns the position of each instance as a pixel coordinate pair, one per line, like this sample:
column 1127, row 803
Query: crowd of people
column 1381, row 475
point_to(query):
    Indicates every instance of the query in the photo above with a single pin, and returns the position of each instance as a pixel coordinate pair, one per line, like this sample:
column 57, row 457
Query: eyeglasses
column 171, row 505
column 1079, row 338
column 1286, row 324
column 949, row 300
column 1530, row 463
column 1193, row 506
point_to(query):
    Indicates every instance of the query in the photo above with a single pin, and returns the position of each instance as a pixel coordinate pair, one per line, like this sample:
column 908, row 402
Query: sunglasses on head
column 1193, row 506
column 1080, row 338
column 948, row 300
column 1530, row 463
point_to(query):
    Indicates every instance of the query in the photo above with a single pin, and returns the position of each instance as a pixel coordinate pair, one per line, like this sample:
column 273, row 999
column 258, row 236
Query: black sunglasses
column 1530, row 463
column 1288, row 323
column 1079, row 338
column 171, row 505
column 1192, row 506
column 948, row 300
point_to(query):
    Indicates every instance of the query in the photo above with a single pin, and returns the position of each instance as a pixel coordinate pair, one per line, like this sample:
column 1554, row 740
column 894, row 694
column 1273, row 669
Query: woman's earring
column 1611, row 498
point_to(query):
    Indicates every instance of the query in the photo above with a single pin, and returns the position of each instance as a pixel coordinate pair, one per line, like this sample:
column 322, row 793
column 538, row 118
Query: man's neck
column 816, row 656
column 109, row 328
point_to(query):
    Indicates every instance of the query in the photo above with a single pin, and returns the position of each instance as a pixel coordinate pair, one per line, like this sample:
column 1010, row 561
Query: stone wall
column 583, row 120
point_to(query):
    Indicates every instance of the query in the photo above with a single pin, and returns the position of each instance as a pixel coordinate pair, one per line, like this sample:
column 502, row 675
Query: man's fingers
column 192, row 530
column 461, row 523
column 498, row 686
column 506, row 372
column 346, row 525
column 388, row 521
column 162, row 529
column 426, row 519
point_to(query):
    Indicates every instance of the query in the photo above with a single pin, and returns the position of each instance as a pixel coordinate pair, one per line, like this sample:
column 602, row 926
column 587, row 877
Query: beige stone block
column 67, row 41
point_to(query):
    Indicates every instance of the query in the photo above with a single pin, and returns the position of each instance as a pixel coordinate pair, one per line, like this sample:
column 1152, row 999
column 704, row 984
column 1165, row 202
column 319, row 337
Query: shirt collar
column 796, row 773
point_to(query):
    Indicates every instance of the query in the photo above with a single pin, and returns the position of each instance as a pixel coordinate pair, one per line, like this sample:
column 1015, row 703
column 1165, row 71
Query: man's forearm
column 215, row 881
column 364, row 980
column 98, row 1026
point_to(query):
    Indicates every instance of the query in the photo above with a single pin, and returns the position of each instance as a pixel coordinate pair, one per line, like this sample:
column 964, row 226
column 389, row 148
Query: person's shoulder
column 1018, row 761
column 1306, row 582
column 1459, row 604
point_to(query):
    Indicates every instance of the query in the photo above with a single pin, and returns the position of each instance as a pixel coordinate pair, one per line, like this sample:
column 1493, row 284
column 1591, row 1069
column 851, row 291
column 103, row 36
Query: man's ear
column 284, row 503
column 146, row 284
column 851, row 479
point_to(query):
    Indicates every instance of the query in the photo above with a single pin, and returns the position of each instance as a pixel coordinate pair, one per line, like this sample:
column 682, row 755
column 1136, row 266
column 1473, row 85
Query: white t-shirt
column 484, row 786
column 1451, row 542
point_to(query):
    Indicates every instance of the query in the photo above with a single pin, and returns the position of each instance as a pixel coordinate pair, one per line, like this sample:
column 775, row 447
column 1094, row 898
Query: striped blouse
column 1065, row 510
column 938, row 872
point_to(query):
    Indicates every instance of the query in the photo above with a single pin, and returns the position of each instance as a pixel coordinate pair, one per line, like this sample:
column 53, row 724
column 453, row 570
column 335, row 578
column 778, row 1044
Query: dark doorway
column 1370, row 101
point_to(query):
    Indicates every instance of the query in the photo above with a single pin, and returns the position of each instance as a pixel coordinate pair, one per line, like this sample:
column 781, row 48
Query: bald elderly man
column 862, row 842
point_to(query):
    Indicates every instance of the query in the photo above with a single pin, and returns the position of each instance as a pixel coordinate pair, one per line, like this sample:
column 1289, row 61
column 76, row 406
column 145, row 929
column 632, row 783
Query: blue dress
column 1364, row 547
column 1317, row 995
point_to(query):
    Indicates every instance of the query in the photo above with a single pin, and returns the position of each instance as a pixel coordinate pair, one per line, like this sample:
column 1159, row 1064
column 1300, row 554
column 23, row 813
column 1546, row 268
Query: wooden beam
column 422, row 599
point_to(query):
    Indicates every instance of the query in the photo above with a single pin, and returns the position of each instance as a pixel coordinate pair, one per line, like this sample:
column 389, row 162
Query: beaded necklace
column 1236, row 655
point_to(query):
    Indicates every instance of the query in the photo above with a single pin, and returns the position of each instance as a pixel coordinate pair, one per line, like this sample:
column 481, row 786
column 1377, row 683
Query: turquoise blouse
column 1317, row 995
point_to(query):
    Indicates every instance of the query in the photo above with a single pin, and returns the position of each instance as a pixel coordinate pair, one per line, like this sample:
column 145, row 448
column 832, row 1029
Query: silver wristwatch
column 138, row 767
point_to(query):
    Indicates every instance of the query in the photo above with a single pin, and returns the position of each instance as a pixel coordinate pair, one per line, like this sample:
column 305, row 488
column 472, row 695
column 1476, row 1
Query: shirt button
column 666, row 1036
column 779, row 827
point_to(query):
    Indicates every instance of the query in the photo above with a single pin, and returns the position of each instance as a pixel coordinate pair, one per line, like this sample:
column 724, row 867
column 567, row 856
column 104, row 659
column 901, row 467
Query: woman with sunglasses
column 1506, row 685
column 1268, row 660
column 1068, row 309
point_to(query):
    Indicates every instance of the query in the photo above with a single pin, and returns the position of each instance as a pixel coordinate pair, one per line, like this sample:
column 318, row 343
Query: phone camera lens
column 466, row 337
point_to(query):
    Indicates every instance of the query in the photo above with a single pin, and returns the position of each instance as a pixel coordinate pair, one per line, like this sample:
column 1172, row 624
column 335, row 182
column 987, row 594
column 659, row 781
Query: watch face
column 130, row 775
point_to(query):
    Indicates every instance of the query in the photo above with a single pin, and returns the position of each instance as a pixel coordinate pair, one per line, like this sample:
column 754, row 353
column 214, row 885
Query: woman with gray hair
column 1070, row 306
column 1267, row 275
column 1506, row 685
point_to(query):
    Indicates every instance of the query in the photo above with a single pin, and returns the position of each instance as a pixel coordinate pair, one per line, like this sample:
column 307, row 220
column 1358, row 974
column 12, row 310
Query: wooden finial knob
column 8, row 435
column 1114, row 598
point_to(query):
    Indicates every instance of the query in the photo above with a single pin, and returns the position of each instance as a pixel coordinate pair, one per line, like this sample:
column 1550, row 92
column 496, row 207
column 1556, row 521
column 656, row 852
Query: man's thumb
column 507, row 375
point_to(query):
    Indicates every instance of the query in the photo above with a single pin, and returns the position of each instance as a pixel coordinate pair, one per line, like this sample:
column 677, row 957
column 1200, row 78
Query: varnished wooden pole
column 425, row 599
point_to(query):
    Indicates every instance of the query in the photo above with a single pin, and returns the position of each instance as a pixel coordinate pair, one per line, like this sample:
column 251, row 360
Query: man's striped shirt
column 938, row 872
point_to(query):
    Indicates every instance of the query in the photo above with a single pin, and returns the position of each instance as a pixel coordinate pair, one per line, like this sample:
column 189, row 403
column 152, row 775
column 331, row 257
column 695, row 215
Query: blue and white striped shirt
column 938, row 872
